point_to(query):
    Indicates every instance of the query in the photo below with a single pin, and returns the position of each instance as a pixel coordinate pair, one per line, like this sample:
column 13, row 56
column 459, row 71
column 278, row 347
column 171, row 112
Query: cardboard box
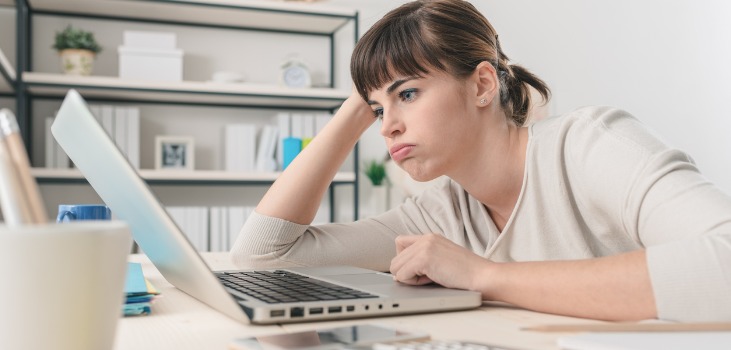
column 150, row 64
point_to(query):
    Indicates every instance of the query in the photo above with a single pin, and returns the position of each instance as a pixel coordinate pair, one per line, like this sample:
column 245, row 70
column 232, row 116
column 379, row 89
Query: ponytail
column 515, row 83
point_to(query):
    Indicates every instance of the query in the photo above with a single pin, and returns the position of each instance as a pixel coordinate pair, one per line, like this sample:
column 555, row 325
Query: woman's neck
column 494, row 174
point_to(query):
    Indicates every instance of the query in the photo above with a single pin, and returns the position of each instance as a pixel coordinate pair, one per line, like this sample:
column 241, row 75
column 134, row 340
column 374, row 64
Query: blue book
column 292, row 147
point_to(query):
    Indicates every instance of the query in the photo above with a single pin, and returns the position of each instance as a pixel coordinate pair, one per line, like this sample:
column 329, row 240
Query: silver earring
column 483, row 101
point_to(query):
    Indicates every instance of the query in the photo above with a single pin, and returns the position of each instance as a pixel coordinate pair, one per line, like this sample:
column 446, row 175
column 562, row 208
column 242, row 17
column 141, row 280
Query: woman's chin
column 422, row 176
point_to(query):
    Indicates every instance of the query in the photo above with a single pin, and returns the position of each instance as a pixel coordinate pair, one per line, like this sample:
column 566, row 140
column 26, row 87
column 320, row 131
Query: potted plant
column 376, row 172
column 77, row 49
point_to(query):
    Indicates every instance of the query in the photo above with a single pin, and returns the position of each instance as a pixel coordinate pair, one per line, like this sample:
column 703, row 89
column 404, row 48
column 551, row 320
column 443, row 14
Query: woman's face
column 428, row 123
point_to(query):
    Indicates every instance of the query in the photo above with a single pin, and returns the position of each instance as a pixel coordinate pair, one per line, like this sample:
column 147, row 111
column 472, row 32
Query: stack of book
column 275, row 146
column 215, row 229
column 139, row 292
column 122, row 123
column 193, row 221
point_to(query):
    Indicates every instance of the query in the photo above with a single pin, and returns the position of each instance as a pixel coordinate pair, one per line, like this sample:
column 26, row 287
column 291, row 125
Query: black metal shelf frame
column 24, row 18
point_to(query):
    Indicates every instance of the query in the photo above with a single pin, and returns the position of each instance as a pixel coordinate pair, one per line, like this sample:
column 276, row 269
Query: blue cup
column 76, row 212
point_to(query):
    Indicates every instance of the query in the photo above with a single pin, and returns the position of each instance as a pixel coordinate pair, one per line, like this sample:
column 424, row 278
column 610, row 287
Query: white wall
column 666, row 62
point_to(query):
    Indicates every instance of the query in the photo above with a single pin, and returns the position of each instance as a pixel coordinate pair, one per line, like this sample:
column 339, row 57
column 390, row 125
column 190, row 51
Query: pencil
column 14, row 143
column 15, row 209
column 633, row 327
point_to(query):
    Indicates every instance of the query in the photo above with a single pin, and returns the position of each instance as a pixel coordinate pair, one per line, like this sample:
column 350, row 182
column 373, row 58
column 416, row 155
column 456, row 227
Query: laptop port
column 276, row 313
column 395, row 306
column 334, row 309
column 367, row 307
column 297, row 312
column 350, row 308
column 316, row 311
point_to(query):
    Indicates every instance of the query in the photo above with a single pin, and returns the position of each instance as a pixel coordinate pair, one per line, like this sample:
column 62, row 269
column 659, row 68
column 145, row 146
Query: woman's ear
column 487, row 85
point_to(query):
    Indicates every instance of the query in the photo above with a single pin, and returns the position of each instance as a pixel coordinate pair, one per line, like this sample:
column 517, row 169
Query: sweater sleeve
column 269, row 242
column 668, row 207
column 685, row 223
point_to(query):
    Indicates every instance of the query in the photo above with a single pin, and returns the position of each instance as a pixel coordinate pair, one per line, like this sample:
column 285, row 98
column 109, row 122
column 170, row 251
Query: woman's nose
column 391, row 124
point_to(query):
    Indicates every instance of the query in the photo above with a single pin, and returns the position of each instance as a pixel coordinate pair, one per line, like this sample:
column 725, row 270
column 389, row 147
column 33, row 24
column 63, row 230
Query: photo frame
column 174, row 153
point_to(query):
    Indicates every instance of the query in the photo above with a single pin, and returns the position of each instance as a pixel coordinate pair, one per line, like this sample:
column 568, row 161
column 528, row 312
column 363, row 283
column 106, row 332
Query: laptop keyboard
column 276, row 287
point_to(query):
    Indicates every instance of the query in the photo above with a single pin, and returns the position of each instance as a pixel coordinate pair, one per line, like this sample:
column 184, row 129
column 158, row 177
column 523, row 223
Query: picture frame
column 174, row 153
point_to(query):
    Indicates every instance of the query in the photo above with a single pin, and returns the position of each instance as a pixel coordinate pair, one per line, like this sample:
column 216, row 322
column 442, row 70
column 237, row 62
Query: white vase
column 77, row 62
column 378, row 199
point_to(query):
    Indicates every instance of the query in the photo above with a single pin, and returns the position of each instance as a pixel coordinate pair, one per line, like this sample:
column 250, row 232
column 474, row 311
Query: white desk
column 180, row 322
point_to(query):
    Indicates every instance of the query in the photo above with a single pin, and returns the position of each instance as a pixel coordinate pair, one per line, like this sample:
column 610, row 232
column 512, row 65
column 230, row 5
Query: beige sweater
column 596, row 183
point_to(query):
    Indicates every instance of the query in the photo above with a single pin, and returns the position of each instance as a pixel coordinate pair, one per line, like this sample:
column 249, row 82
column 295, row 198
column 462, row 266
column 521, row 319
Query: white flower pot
column 77, row 62
column 378, row 200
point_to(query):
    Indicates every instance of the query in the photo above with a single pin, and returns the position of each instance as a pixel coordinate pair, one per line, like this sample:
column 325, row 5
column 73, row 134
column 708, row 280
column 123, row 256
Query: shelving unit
column 248, row 15
column 199, row 177
column 244, row 95
column 7, row 75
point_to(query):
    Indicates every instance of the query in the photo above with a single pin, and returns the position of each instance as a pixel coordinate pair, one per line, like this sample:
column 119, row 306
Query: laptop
column 257, row 296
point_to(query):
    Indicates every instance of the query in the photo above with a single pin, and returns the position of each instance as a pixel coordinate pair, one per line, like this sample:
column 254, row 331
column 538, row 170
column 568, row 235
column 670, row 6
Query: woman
column 586, row 214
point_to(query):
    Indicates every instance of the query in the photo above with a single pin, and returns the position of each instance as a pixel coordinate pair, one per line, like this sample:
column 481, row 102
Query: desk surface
column 181, row 322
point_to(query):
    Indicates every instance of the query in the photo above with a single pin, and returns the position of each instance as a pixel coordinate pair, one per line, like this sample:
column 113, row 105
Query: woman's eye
column 378, row 113
column 407, row 95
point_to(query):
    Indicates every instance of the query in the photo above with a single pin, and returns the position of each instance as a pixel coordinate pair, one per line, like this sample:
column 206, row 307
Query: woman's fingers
column 403, row 242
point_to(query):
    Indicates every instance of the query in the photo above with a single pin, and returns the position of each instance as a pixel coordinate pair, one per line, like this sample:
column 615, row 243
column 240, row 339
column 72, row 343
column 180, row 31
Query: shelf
column 239, row 94
column 200, row 177
column 7, row 74
column 249, row 14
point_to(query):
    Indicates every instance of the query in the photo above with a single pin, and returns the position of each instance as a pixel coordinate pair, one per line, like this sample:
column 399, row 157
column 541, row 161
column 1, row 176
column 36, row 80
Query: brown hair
column 447, row 35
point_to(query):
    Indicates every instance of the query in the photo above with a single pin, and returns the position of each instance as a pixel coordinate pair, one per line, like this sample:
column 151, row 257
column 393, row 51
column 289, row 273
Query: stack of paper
column 138, row 291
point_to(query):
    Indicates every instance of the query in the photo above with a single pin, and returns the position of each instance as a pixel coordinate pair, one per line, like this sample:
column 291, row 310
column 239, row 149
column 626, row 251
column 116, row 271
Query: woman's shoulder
column 597, row 124
column 588, row 116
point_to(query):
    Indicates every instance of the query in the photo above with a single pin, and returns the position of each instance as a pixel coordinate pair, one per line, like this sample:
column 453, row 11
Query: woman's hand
column 433, row 258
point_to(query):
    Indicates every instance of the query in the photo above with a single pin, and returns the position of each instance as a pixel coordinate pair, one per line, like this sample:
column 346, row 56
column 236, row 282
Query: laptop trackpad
column 362, row 279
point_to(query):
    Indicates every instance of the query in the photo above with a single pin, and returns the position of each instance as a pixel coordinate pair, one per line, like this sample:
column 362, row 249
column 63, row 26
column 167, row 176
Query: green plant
column 375, row 171
column 74, row 38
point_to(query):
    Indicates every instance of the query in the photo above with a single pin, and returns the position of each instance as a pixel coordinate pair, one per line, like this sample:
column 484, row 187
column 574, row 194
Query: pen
column 633, row 327
column 19, row 159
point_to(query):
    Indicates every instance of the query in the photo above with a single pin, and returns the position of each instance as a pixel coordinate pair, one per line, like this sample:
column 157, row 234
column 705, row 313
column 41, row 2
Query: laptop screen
column 130, row 199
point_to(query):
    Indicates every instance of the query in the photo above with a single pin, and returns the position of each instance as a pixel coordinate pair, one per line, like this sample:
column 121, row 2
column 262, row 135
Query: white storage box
column 149, row 64
column 149, row 40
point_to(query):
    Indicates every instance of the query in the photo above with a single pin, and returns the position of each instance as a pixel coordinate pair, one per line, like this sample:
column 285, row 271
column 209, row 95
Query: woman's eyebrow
column 397, row 83
column 393, row 87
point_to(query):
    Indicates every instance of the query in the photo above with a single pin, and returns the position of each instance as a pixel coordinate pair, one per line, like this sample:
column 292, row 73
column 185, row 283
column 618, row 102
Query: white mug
column 63, row 284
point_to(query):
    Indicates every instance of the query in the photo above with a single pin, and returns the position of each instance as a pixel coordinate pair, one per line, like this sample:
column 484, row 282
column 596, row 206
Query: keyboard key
column 287, row 287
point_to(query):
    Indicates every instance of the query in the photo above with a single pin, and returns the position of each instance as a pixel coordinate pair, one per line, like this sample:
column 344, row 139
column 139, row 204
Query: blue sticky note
column 135, row 282
column 136, row 309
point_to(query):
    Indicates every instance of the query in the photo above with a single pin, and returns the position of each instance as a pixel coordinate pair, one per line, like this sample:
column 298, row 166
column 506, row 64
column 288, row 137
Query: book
column 284, row 122
column 265, row 161
column 133, row 136
column 240, row 147
column 120, row 129
column 50, row 145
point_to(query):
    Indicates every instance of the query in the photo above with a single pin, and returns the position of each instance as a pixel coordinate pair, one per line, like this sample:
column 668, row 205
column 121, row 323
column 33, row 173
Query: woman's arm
column 297, row 193
column 610, row 288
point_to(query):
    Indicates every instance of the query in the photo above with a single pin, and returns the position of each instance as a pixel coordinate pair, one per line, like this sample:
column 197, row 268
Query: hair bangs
column 391, row 49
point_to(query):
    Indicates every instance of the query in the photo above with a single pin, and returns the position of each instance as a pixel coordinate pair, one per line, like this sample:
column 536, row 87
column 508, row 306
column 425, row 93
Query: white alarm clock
column 296, row 74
